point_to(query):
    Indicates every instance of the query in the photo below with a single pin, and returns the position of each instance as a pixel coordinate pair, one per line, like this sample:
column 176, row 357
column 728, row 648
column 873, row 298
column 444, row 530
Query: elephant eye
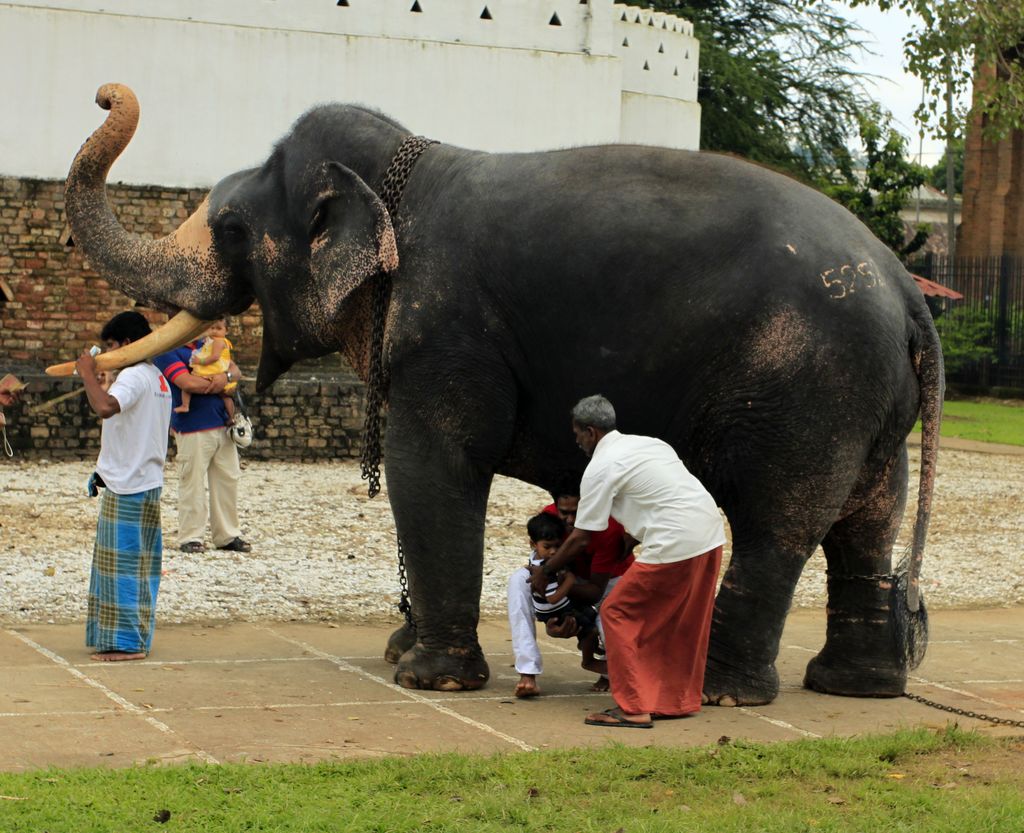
column 319, row 221
column 232, row 233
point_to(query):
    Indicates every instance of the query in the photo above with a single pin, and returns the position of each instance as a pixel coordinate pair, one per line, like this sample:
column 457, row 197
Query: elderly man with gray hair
column 657, row 620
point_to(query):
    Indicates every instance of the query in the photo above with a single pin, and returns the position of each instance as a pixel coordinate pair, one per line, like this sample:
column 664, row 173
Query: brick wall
column 52, row 305
column 58, row 303
column 306, row 420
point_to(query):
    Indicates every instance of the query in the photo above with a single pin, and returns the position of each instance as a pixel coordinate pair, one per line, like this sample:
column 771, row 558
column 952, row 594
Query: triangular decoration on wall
column 686, row 57
column 584, row 2
column 676, row 72
column 664, row 24
column 661, row 49
column 486, row 14
column 416, row 6
column 625, row 41
column 623, row 18
column 554, row 20
column 646, row 65
column 342, row 2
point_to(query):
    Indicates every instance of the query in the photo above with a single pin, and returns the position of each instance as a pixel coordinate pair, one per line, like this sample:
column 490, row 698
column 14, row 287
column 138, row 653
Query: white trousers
column 207, row 457
column 522, row 622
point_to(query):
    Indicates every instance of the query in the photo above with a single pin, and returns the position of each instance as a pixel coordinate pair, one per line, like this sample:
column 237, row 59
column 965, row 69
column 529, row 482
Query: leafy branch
column 953, row 38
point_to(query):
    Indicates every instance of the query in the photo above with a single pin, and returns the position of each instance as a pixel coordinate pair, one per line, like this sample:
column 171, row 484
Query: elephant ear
column 350, row 232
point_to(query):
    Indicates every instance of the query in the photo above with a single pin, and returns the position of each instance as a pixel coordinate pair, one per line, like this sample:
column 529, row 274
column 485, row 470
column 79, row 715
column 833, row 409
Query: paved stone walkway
column 310, row 692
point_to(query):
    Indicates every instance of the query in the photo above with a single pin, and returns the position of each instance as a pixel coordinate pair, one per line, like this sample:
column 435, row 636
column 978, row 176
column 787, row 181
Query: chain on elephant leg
column 863, row 654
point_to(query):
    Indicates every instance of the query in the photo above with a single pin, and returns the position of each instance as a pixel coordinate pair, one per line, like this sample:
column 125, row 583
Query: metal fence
column 983, row 333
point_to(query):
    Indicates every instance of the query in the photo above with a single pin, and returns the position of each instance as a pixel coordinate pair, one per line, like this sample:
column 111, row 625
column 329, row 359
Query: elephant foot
column 451, row 669
column 399, row 642
column 871, row 639
column 847, row 680
column 727, row 685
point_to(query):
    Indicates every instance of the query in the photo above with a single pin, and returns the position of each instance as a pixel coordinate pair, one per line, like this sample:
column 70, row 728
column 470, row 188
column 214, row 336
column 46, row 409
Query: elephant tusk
column 179, row 330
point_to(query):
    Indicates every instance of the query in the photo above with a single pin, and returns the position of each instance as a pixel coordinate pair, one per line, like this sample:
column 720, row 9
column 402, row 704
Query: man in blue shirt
column 206, row 455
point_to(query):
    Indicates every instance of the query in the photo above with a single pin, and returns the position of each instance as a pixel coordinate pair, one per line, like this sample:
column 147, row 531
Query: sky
column 896, row 90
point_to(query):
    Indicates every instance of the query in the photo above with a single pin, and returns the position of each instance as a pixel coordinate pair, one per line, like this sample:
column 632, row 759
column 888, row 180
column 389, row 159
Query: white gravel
column 323, row 550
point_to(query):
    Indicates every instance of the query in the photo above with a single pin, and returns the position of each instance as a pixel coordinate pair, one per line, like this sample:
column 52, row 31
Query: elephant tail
column 926, row 352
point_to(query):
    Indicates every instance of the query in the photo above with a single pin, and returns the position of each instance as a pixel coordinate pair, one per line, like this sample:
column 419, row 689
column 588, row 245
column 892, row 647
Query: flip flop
column 618, row 721
column 117, row 656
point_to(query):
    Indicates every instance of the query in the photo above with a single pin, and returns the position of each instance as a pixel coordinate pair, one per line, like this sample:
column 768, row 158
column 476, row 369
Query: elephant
column 730, row 310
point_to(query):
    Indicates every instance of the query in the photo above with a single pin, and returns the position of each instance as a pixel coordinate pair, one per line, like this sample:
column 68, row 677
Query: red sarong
column 657, row 621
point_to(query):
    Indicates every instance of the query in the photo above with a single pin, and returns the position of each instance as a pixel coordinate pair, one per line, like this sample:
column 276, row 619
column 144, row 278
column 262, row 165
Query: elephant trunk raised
column 182, row 270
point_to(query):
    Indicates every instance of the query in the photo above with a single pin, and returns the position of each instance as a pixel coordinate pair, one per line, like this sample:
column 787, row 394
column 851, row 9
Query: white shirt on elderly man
column 642, row 482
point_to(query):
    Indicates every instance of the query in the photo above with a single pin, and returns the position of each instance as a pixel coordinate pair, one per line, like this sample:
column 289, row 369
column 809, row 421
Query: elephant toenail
column 407, row 679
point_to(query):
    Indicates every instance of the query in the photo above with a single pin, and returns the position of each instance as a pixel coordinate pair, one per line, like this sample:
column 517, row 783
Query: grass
column 920, row 780
column 983, row 421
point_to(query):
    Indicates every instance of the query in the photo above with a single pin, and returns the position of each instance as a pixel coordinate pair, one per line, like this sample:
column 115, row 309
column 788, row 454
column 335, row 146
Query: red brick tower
column 993, row 201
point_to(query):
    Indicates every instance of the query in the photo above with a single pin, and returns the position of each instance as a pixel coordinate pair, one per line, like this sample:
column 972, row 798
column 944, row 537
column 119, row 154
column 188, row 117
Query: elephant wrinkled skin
column 746, row 319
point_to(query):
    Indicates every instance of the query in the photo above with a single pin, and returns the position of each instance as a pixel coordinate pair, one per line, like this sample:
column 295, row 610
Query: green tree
column 937, row 173
column 775, row 83
column 967, row 336
column 953, row 37
column 886, row 185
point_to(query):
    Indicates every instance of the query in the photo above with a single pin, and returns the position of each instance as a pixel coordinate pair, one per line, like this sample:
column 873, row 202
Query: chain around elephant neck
column 391, row 187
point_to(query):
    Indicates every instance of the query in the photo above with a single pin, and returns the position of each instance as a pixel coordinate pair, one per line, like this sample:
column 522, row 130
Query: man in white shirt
column 128, row 553
column 657, row 620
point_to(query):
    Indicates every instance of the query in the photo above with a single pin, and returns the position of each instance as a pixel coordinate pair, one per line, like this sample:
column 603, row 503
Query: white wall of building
column 219, row 81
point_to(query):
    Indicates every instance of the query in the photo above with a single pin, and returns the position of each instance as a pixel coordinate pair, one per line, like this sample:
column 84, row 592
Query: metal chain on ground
column 390, row 191
column 1001, row 721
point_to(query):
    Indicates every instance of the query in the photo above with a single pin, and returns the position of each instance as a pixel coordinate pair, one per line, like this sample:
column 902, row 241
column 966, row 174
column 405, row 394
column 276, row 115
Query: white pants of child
column 523, row 623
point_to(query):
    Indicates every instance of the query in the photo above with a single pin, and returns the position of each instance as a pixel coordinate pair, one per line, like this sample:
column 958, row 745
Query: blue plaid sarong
column 126, row 563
